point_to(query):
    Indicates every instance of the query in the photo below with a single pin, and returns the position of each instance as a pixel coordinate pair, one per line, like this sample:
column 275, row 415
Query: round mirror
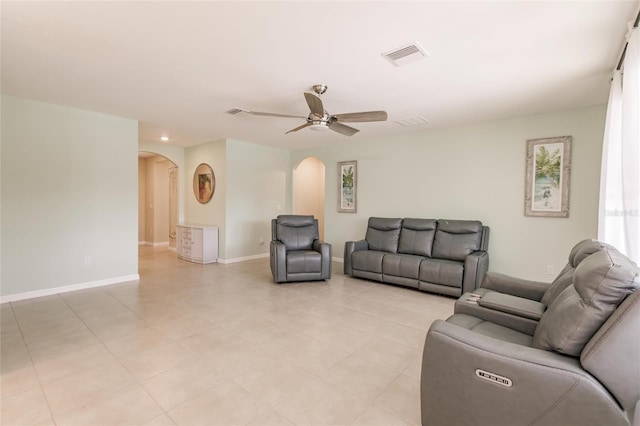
column 204, row 183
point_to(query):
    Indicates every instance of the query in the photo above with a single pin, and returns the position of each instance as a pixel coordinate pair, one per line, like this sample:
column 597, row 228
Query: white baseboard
column 243, row 259
column 338, row 259
column 149, row 243
column 67, row 288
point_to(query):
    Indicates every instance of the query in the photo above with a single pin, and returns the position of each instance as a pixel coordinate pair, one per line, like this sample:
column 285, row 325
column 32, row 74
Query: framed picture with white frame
column 347, row 187
column 548, row 177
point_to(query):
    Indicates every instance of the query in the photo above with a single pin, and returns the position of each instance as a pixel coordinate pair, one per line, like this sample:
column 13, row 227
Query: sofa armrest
column 278, row 254
column 502, row 283
column 325, row 251
column 349, row 248
column 471, row 379
column 476, row 265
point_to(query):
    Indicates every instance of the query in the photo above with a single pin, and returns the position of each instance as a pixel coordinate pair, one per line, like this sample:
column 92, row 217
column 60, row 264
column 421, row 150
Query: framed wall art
column 204, row 183
column 348, row 187
column 548, row 177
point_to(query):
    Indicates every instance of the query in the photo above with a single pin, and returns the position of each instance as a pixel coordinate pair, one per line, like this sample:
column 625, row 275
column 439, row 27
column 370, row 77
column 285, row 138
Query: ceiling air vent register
column 406, row 54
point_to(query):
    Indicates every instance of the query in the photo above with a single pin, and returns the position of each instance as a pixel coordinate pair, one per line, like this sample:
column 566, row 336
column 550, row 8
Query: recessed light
column 164, row 138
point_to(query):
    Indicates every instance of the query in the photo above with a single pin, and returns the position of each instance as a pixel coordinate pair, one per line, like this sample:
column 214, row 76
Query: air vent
column 415, row 121
column 235, row 111
column 406, row 54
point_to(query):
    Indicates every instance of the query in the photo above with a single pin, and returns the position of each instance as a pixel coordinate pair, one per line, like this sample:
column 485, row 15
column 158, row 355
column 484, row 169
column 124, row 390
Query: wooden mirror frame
column 204, row 183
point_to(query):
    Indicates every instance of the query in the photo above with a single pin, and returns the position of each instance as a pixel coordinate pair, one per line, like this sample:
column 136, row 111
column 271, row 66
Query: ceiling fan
column 319, row 119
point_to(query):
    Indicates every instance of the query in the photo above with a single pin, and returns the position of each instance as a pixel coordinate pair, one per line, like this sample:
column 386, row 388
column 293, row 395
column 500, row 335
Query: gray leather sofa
column 441, row 256
column 580, row 366
column 297, row 254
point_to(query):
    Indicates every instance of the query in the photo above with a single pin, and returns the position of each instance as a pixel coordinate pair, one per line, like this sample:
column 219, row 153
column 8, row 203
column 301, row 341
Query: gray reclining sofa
column 579, row 365
column 441, row 256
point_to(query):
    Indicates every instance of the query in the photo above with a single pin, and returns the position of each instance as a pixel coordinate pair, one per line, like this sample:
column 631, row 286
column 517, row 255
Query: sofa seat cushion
column 303, row 261
column 402, row 265
column 416, row 236
column 490, row 329
column 367, row 260
column 444, row 272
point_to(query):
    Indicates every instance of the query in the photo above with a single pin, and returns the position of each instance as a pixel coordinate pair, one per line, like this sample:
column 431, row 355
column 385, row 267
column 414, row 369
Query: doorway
column 309, row 190
column 157, row 200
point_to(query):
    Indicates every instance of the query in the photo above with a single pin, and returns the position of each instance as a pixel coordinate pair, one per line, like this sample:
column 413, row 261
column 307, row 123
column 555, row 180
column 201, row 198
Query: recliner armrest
column 472, row 379
column 278, row 261
column 533, row 290
column 325, row 251
column 476, row 265
column 349, row 248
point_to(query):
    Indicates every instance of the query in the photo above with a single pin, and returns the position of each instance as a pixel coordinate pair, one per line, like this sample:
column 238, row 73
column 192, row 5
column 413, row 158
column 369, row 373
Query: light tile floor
column 216, row 345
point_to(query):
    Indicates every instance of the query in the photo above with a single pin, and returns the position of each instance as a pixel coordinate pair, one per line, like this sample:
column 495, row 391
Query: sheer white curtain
column 619, row 221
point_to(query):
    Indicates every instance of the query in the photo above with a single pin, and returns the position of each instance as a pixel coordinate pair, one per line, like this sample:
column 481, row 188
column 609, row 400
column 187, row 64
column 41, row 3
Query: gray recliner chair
column 580, row 366
column 519, row 303
column 297, row 254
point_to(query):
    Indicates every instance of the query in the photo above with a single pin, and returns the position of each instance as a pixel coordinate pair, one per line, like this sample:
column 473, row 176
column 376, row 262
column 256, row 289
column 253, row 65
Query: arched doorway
column 309, row 190
column 157, row 200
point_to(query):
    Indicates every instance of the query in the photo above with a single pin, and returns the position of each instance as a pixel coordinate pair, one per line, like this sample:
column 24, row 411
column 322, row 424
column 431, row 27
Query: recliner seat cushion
column 416, row 236
column 296, row 232
column 444, row 272
column 303, row 261
column 456, row 239
column 600, row 283
column 383, row 234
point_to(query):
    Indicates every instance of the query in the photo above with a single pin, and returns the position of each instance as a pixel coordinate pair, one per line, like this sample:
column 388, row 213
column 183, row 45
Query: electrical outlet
column 261, row 241
column 550, row 270
column 87, row 260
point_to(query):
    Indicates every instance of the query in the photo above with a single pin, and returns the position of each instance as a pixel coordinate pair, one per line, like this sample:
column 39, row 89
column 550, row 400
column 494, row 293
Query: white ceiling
column 178, row 66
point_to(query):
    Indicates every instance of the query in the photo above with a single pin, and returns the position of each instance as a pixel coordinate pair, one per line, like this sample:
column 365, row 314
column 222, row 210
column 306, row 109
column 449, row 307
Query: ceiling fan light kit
column 319, row 119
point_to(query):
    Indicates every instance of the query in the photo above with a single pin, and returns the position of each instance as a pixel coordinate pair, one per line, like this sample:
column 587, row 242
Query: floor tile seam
column 39, row 379
column 389, row 411
column 101, row 398
column 398, row 373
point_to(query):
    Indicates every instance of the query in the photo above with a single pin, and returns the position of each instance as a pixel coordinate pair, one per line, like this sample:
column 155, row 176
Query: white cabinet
column 197, row 243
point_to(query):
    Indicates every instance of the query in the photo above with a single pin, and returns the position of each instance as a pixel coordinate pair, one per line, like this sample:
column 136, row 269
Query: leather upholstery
column 416, row 236
column 455, row 239
column 600, row 283
column 402, row 251
column 618, row 370
column 296, row 252
column 564, row 383
column 383, row 234
column 296, row 232
column 526, row 290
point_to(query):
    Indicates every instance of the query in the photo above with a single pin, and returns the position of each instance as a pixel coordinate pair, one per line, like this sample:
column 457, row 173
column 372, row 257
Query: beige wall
column 472, row 172
column 153, row 199
column 142, row 199
column 308, row 190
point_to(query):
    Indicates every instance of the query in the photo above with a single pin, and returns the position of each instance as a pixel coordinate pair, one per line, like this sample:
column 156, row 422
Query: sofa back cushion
column 296, row 232
column 383, row 234
column 456, row 239
column 565, row 278
column 416, row 236
column 600, row 283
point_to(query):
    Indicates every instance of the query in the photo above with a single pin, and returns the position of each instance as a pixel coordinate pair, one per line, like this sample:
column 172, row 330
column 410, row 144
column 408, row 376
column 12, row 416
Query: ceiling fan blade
column 343, row 128
column 358, row 117
column 315, row 103
column 271, row 114
column 298, row 128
